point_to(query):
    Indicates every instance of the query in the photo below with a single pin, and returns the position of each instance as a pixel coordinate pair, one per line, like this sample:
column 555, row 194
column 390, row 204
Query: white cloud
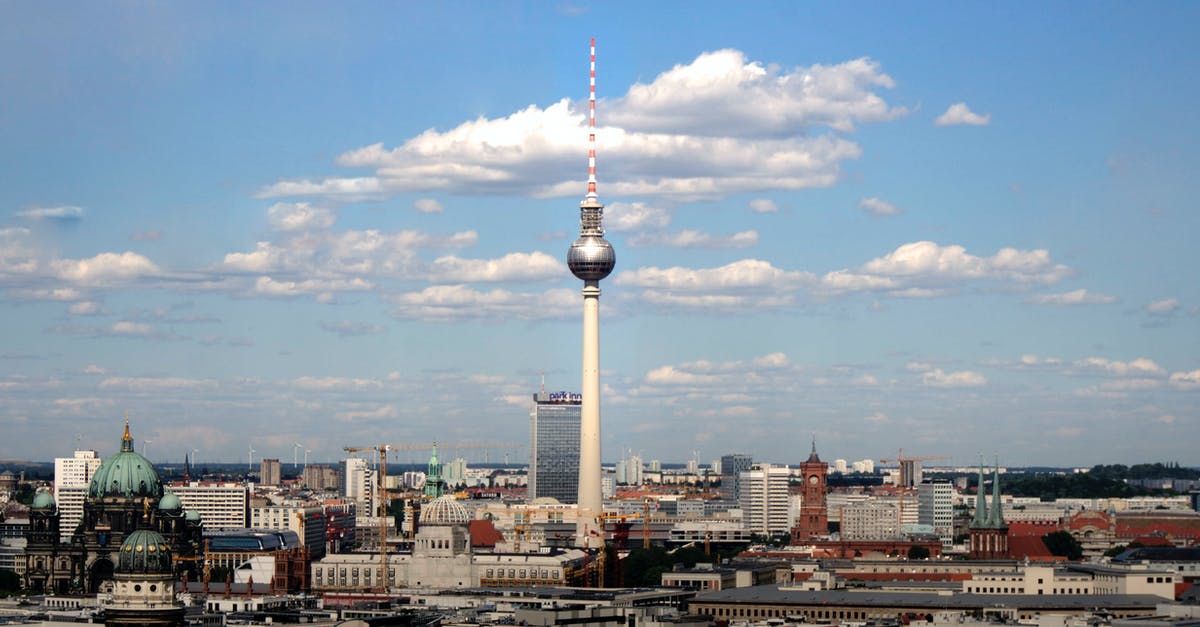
column 1074, row 297
column 49, row 293
column 299, row 216
column 918, row 366
column 322, row 289
column 763, row 205
column 443, row 303
column 355, row 253
column 94, row 369
column 381, row 412
column 878, row 207
column 959, row 114
column 928, row 265
column 156, row 384
column 636, row 216
column 346, row 328
column 1139, row 367
column 62, row 213
column 1186, row 380
column 85, row 308
column 964, row 378
column 427, row 205
column 136, row 329
column 1166, row 419
column 877, row 418
column 535, row 266
column 744, row 274
column 718, row 125
column 694, row 239
column 335, row 383
column 1163, row 307
column 104, row 269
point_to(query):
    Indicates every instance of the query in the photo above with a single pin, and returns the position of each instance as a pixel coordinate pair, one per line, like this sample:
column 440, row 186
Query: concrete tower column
column 589, row 532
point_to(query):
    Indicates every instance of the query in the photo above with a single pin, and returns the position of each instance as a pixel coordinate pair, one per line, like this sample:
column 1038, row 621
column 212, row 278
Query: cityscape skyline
column 970, row 233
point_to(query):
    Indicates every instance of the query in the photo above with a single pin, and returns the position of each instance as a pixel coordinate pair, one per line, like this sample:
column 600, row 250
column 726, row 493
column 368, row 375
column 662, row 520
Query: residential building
column 764, row 499
column 269, row 472
column 71, row 478
column 870, row 520
column 308, row 521
column 554, row 428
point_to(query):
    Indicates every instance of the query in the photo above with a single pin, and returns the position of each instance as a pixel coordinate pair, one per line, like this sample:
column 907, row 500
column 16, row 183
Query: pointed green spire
column 996, row 513
column 980, row 520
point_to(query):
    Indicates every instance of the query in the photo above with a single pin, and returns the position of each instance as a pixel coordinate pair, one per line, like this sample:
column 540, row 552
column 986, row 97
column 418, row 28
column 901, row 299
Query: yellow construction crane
column 903, row 477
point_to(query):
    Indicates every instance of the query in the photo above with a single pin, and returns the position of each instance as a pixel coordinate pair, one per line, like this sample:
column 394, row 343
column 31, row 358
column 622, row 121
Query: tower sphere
column 591, row 258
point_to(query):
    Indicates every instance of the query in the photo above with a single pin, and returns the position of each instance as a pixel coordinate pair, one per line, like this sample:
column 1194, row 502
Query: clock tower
column 814, row 520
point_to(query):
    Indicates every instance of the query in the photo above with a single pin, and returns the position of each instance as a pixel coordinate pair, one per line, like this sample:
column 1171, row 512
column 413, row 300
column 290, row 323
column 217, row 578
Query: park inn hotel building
column 554, row 446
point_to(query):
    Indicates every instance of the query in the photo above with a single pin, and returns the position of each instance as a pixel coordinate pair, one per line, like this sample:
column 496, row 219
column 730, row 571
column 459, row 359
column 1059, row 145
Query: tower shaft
column 589, row 532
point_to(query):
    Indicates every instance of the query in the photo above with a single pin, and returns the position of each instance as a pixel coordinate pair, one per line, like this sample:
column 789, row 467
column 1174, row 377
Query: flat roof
column 784, row 595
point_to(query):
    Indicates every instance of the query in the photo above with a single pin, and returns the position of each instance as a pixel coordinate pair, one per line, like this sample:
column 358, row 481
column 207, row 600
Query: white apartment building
column 764, row 498
column 220, row 505
column 358, row 483
column 71, row 478
column 870, row 520
column 935, row 507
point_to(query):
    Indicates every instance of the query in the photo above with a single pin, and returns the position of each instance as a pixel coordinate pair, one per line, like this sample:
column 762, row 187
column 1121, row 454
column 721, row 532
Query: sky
column 949, row 228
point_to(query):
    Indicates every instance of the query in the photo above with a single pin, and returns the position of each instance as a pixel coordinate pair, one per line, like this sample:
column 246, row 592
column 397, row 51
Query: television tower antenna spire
column 590, row 258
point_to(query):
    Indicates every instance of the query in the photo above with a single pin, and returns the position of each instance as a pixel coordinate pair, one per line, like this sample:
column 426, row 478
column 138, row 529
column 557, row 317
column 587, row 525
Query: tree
column 1064, row 544
column 918, row 553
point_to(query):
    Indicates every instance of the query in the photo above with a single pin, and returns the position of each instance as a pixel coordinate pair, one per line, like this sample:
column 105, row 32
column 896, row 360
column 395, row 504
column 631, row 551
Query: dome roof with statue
column 445, row 510
column 43, row 500
column 144, row 552
column 126, row 474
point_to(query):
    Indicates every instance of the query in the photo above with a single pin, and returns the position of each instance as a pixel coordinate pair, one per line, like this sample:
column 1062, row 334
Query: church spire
column 981, row 515
column 996, row 513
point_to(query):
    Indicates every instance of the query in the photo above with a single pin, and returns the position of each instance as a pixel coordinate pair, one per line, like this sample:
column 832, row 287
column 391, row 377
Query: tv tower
column 590, row 258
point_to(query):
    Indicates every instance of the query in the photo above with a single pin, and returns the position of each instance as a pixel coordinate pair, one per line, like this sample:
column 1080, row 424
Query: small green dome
column 144, row 551
column 126, row 474
column 169, row 502
column 43, row 500
column 192, row 516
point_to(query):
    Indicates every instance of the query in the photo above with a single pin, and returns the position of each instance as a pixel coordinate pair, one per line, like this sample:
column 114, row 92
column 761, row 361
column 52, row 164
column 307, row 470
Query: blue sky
column 952, row 228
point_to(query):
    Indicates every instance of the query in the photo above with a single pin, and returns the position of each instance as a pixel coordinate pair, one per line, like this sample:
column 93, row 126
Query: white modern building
column 71, row 478
column 870, row 520
column 358, row 483
column 220, row 505
column 764, row 498
column 935, row 507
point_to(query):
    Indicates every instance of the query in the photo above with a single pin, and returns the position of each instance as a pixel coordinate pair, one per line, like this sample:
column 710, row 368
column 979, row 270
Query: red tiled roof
column 484, row 533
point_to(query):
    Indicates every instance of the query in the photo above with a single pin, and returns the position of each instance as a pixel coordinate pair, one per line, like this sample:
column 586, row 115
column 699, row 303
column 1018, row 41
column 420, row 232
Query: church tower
column 814, row 519
column 143, row 593
column 988, row 532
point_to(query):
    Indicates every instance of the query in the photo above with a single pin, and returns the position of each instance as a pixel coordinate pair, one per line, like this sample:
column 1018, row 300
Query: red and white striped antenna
column 592, row 197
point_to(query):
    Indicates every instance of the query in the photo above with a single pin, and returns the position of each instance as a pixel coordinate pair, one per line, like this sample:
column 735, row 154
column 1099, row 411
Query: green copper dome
column 192, row 515
column 126, row 474
column 169, row 502
column 43, row 500
column 144, row 551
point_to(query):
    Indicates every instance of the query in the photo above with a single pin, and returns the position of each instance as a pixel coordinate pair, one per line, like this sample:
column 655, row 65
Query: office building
column 308, row 521
column 764, row 499
column 870, row 520
column 320, row 477
column 269, row 472
column 731, row 468
column 220, row 505
column 71, row 478
column 554, row 446
column 935, row 507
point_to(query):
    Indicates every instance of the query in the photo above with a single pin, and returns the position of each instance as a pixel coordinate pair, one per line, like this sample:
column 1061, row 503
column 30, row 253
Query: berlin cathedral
column 125, row 497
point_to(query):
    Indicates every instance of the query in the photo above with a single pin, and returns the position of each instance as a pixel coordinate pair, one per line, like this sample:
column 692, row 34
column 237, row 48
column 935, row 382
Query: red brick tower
column 814, row 520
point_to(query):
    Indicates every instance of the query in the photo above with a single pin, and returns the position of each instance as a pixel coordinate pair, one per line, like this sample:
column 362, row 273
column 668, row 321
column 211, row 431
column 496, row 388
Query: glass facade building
column 554, row 424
